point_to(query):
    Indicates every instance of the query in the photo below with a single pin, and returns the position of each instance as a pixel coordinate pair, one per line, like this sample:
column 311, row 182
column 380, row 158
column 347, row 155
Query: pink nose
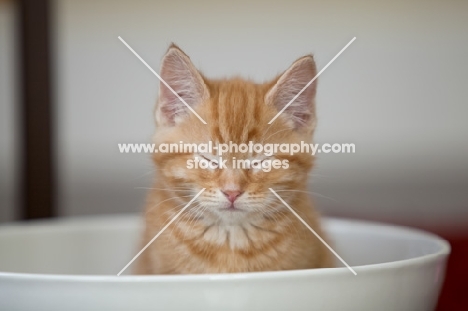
column 232, row 195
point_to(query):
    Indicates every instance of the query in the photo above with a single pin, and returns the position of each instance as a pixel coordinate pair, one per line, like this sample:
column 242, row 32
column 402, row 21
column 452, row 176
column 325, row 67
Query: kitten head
column 236, row 111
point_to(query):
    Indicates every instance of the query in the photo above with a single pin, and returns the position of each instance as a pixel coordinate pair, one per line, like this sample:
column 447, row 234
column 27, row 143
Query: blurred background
column 70, row 91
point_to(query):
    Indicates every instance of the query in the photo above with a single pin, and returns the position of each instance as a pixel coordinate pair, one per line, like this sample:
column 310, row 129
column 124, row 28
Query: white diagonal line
column 313, row 231
column 311, row 81
column 161, row 79
column 160, row 232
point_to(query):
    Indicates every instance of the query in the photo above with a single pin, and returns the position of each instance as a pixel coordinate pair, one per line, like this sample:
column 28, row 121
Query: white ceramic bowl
column 71, row 264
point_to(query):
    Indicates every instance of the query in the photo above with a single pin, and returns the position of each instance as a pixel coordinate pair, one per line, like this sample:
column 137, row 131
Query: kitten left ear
column 301, row 112
column 182, row 76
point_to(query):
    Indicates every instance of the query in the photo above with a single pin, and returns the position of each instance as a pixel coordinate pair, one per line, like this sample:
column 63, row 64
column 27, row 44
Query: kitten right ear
column 178, row 71
column 300, row 112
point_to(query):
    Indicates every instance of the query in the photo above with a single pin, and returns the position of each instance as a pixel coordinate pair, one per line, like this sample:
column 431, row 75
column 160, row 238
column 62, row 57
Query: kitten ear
column 182, row 76
column 301, row 112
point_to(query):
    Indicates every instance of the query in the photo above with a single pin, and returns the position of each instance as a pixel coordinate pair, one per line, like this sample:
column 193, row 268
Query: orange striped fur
column 260, row 233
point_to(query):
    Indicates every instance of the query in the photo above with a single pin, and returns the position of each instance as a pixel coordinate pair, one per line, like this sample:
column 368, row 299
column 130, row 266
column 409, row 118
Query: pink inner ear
column 170, row 111
column 178, row 71
column 302, row 110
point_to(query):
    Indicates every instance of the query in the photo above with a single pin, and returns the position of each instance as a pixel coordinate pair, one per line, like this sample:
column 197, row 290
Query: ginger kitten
column 236, row 224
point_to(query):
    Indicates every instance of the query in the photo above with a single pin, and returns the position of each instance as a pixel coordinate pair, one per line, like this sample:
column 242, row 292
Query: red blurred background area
column 453, row 296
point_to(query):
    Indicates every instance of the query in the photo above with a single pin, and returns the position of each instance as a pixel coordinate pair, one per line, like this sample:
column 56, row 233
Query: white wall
column 8, row 126
column 399, row 93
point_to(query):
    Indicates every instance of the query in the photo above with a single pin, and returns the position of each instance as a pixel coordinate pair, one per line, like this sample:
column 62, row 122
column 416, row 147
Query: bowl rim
column 443, row 251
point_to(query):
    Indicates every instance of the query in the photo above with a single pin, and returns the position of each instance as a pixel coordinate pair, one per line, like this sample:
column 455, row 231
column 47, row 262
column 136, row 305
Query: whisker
column 149, row 188
column 309, row 192
column 282, row 130
column 188, row 217
column 172, row 198
column 143, row 175
column 288, row 224
column 199, row 211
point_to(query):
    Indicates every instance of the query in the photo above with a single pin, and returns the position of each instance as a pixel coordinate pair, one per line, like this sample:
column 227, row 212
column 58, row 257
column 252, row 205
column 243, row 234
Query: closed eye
column 259, row 163
column 212, row 161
